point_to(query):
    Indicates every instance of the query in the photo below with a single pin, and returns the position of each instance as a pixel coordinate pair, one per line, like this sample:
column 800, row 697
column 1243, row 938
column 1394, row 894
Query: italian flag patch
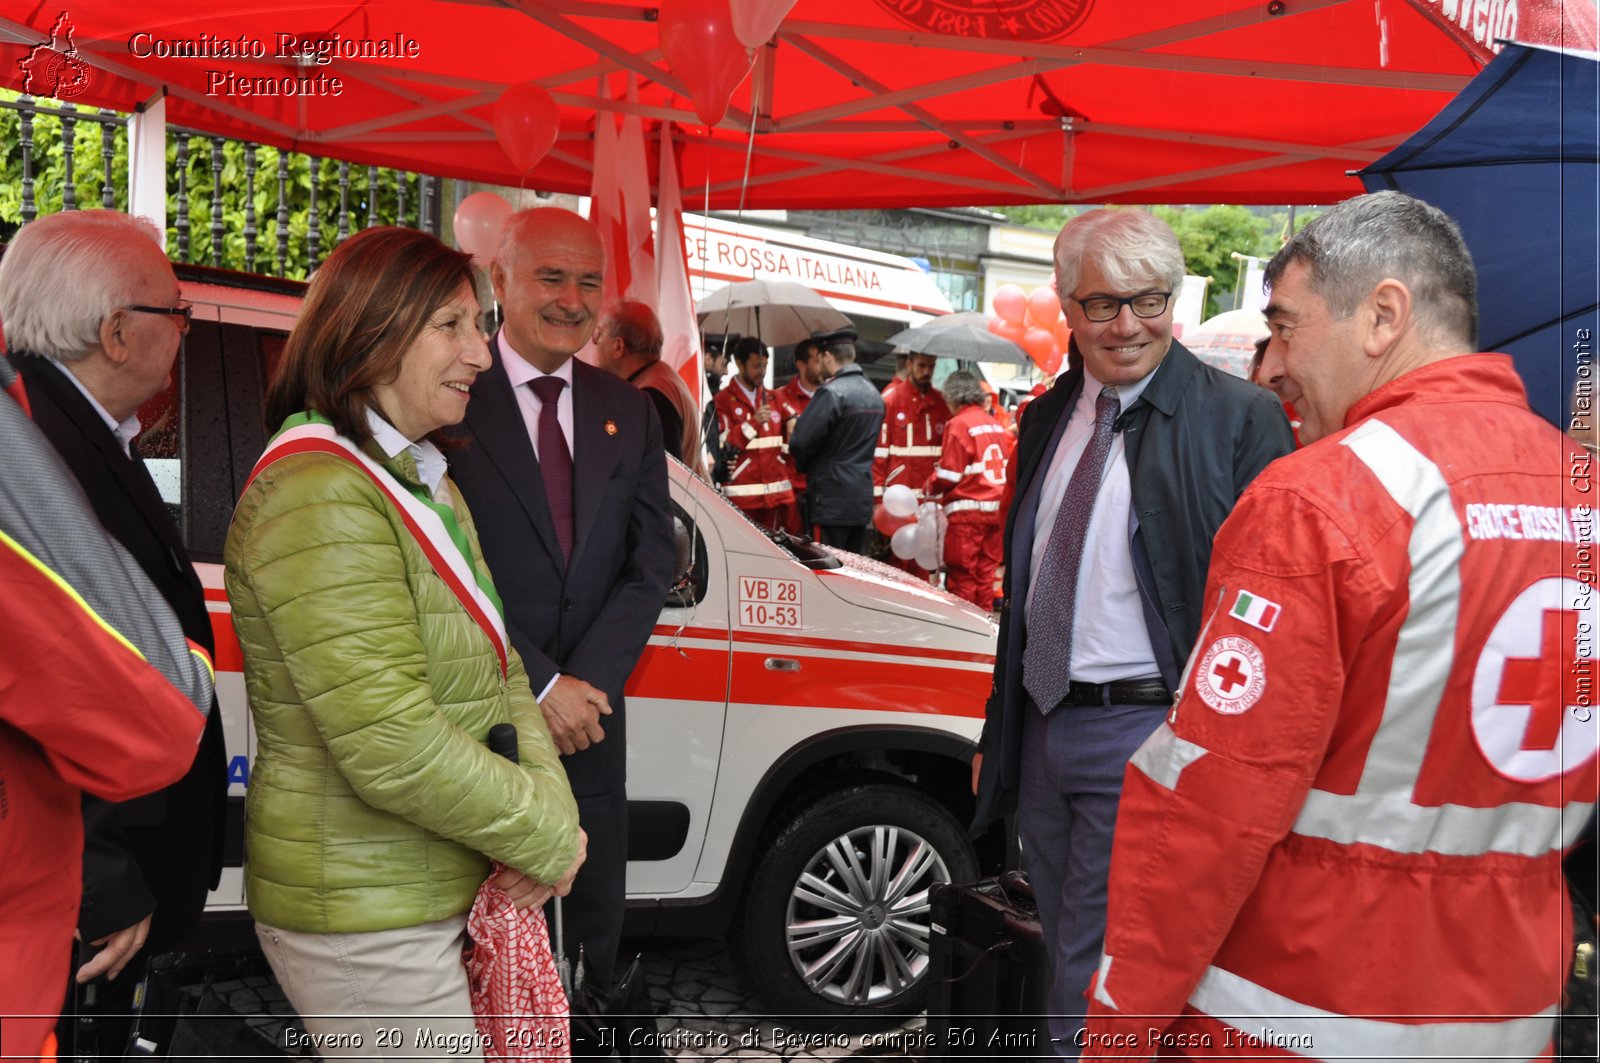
column 1255, row 611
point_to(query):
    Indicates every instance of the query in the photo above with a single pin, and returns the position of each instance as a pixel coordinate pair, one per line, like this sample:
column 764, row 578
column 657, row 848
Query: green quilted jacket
column 374, row 802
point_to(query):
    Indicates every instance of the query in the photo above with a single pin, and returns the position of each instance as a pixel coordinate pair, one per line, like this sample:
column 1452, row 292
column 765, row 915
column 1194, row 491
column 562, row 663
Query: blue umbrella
column 1515, row 160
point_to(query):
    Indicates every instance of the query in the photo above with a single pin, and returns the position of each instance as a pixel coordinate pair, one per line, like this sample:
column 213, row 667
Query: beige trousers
column 389, row 994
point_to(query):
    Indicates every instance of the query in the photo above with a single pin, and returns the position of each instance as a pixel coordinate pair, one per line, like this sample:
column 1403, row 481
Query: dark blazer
column 833, row 444
column 590, row 618
column 1194, row 441
column 161, row 852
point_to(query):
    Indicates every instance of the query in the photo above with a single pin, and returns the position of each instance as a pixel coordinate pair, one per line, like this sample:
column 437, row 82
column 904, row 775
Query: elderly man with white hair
column 94, row 319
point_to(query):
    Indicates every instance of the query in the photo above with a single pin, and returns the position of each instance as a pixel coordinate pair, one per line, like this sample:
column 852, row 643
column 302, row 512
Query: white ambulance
column 800, row 726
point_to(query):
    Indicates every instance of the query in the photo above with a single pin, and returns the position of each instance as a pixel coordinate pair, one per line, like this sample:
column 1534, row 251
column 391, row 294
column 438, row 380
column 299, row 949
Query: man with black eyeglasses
column 95, row 319
column 1124, row 470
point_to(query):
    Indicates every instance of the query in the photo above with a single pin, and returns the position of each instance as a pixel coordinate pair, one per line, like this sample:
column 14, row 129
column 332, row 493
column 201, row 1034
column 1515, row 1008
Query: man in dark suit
column 1124, row 471
column 564, row 470
column 94, row 319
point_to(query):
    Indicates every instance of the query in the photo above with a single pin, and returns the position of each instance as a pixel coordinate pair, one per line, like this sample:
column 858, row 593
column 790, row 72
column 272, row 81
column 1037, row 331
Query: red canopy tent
column 856, row 103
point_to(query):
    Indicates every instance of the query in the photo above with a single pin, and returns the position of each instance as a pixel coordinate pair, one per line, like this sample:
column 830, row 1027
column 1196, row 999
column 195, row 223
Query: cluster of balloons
column 916, row 533
column 1034, row 321
column 708, row 45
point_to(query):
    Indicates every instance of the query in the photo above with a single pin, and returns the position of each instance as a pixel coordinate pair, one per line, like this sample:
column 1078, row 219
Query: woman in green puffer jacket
column 376, row 661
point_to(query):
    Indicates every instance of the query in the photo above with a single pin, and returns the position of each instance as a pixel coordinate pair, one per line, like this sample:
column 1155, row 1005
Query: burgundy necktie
column 555, row 460
column 1048, row 656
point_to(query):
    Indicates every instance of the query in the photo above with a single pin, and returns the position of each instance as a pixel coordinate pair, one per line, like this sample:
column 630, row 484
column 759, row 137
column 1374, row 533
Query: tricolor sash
column 432, row 525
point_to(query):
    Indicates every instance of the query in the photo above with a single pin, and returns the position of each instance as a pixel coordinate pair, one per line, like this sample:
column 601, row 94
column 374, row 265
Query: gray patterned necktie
column 1048, row 655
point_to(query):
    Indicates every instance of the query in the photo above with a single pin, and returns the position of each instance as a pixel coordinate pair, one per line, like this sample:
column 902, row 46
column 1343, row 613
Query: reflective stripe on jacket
column 1379, row 753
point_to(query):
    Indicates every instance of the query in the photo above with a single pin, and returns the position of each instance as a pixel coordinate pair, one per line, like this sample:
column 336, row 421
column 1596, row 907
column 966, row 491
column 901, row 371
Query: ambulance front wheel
column 835, row 929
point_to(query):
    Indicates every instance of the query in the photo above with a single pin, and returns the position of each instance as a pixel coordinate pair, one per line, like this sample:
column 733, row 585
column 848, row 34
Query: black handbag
column 619, row 1023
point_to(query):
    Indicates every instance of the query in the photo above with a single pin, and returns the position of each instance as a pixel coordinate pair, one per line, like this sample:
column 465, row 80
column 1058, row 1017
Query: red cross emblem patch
column 1232, row 675
column 994, row 464
column 1533, row 690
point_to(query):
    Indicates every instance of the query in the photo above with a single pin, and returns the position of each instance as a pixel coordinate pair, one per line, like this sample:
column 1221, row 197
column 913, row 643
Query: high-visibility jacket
column 791, row 401
column 758, row 473
column 911, row 439
column 1346, row 840
column 971, row 473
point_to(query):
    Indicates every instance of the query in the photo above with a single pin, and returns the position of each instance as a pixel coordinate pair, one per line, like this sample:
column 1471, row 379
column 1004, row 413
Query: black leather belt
column 1129, row 692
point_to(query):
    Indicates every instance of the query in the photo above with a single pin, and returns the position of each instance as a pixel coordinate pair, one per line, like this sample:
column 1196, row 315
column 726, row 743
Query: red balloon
column 702, row 49
column 1008, row 330
column 887, row 523
column 1063, row 332
column 1044, row 309
column 526, row 123
column 1010, row 303
column 1039, row 344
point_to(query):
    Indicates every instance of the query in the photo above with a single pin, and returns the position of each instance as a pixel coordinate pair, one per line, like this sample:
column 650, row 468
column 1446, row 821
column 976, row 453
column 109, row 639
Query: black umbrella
column 1515, row 160
column 964, row 335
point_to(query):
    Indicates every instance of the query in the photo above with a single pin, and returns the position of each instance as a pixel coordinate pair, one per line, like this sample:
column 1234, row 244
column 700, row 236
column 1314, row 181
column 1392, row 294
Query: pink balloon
column 1039, row 344
column 755, row 21
column 1044, row 309
column 1052, row 365
column 701, row 48
column 1010, row 303
column 478, row 222
column 526, row 122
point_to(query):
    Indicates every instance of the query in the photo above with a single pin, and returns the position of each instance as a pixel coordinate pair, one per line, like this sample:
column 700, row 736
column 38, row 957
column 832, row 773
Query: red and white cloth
column 517, row 999
column 1346, row 842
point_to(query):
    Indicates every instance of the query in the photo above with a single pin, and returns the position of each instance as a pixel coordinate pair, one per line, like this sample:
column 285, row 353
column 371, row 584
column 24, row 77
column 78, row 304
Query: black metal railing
column 212, row 218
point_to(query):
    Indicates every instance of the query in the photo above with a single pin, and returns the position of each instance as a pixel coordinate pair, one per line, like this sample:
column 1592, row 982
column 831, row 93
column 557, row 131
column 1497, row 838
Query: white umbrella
column 778, row 312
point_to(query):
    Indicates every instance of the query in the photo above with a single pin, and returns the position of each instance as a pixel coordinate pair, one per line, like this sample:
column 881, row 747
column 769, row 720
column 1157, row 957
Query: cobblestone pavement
column 708, row 1013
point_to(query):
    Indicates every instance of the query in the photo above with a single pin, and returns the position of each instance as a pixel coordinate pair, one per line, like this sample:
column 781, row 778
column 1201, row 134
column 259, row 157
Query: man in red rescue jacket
column 971, row 478
column 750, row 428
column 1346, row 840
column 909, row 444
column 791, row 401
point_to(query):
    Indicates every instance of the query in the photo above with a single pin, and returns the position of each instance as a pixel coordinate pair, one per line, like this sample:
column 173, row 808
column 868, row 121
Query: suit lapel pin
column 611, row 428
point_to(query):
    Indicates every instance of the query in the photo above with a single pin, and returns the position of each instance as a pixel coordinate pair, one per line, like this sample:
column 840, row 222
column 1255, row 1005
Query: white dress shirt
column 1109, row 639
column 520, row 372
column 431, row 464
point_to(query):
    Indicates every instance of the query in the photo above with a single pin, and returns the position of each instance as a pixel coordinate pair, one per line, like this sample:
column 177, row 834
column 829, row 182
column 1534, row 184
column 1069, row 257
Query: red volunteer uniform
column 971, row 477
column 791, row 401
column 911, row 439
column 80, row 709
column 1346, row 841
column 758, row 474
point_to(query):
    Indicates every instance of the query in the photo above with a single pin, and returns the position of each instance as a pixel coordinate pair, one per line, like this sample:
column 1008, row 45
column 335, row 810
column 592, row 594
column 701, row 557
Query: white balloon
column 899, row 500
column 903, row 543
column 927, row 554
column 755, row 21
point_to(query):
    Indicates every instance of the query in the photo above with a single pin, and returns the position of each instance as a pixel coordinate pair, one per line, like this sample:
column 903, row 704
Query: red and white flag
column 675, row 300
column 620, row 204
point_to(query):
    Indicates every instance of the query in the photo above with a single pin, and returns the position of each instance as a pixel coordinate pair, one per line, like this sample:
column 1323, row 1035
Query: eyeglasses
column 1107, row 307
column 183, row 310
